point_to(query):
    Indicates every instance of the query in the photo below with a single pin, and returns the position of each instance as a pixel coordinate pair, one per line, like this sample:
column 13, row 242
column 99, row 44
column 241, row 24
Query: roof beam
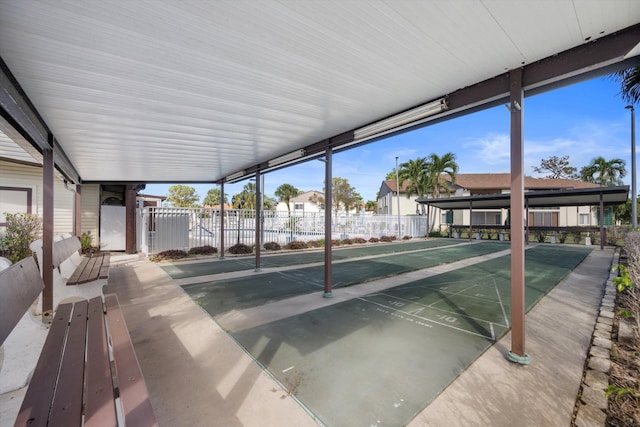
column 20, row 116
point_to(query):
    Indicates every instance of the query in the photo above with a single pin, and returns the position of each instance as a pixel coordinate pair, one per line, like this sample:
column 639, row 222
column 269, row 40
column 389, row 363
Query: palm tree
column 604, row 172
column 415, row 173
column 285, row 193
column 439, row 166
column 629, row 80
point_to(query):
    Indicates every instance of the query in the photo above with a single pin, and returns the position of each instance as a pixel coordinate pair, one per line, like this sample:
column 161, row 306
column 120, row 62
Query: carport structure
column 135, row 92
column 600, row 197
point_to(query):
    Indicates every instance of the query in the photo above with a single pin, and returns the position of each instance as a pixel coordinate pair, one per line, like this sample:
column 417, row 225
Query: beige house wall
column 91, row 211
column 28, row 176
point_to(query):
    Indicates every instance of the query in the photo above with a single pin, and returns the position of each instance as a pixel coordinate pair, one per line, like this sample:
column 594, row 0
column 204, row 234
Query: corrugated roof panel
column 233, row 84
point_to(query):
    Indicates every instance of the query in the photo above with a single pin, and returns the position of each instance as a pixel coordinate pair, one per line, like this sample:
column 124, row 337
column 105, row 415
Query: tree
column 246, row 199
column 213, row 198
column 391, row 175
column 604, row 172
column 285, row 193
column 415, row 172
column 183, row 196
column 343, row 195
column 371, row 206
column 629, row 80
column 558, row 167
column 437, row 166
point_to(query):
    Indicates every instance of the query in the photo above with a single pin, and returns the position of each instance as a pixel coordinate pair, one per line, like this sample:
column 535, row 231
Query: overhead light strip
column 294, row 155
column 236, row 175
column 402, row 119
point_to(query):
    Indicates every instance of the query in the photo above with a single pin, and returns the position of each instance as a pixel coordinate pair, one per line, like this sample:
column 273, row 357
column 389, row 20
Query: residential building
column 309, row 201
column 494, row 183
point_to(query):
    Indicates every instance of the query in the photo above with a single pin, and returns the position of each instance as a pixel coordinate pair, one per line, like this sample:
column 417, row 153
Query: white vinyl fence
column 160, row 229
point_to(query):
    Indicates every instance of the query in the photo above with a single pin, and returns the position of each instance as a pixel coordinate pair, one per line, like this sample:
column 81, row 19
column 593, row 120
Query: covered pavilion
column 600, row 197
column 140, row 92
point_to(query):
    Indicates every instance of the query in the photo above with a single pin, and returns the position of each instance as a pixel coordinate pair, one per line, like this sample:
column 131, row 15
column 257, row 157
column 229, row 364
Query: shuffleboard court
column 214, row 266
column 379, row 359
column 218, row 297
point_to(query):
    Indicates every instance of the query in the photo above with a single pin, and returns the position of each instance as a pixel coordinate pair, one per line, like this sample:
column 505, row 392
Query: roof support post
column 517, row 353
column 602, row 234
column 328, row 196
column 258, row 219
column 130, row 219
column 221, row 256
column 470, row 220
column 526, row 221
column 47, row 230
column 77, row 211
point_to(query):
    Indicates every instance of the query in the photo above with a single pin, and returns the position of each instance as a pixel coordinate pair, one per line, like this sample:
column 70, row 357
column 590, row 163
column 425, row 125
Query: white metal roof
column 192, row 90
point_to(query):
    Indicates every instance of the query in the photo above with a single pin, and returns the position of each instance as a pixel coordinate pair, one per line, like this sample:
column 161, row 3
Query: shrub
column 335, row 242
column 346, row 242
column 240, row 248
column 20, row 231
column 203, row 250
column 296, row 244
column 374, row 240
column 409, row 237
column 272, row 246
column 387, row 238
column 315, row 243
column 169, row 255
column 359, row 240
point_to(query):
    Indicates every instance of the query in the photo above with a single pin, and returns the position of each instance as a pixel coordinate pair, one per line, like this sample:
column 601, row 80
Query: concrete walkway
column 198, row 375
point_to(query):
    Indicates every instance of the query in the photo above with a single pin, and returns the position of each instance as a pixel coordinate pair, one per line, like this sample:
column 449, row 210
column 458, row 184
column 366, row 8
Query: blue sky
column 583, row 121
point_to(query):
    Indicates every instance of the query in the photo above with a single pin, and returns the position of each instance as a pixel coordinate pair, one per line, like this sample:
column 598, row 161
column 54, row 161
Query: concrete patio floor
column 198, row 375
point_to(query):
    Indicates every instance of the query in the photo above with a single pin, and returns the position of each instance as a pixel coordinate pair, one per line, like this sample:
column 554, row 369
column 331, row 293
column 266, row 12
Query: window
column 543, row 219
column 584, row 219
column 298, row 206
column 14, row 200
column 486, row 218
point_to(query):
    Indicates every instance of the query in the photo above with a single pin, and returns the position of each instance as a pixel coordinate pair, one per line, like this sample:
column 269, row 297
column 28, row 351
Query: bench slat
column 75, row 277
column 92, row 267
column 35, row 407
column 133, row 390
column 66, row 409
column 20, row 285
column 94, row 272
column 100, row 409
column 104, row 269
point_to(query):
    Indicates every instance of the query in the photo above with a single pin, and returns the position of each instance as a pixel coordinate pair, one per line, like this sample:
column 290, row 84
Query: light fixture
column 294, row 155
column 236, row 175
column 402, row 119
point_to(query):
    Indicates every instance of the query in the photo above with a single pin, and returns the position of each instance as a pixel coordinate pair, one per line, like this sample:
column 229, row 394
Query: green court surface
column 380, row 359
column 218, row 297
column 214, row 266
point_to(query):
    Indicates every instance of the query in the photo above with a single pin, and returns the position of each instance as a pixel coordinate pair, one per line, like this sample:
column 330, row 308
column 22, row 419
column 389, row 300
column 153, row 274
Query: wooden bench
column 92, row 267
column 87, row 373
column 70, row 268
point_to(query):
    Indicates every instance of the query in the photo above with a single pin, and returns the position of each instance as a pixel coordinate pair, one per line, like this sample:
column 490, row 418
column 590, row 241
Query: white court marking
column 395, row 306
